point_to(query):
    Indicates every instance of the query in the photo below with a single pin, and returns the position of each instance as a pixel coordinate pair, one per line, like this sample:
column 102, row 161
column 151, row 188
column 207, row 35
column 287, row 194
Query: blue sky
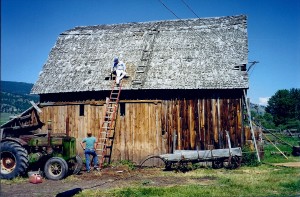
column 29, row 29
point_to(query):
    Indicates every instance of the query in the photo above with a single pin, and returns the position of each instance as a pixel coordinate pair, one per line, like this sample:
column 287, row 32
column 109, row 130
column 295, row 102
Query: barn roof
column 205, row 53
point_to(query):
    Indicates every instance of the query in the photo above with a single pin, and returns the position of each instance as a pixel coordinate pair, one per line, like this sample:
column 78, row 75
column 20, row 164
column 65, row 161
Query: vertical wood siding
column 147, row 128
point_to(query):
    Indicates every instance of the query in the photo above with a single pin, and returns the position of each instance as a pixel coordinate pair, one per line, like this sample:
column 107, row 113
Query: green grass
column 286, row 149
column 246, row 181
column 4, row 117
column 14, row 181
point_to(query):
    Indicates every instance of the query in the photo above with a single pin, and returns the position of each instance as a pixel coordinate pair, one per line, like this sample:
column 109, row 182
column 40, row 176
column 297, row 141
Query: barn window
column 81, row 110
column 122, row 109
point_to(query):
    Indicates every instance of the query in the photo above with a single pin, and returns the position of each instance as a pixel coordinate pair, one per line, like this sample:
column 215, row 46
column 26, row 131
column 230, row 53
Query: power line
column 189, row 8
column 181, row 19
column 188, row 25
column 168, row 9
column 218, row 36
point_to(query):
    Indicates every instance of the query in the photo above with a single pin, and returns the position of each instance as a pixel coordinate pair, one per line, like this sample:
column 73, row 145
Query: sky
column 29, row 29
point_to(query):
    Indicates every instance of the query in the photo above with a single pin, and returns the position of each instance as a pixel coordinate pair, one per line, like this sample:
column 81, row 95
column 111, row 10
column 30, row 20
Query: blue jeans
column 88, row 153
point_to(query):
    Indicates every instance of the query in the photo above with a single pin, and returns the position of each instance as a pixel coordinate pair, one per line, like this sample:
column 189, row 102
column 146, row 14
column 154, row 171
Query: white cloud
column 263, row 100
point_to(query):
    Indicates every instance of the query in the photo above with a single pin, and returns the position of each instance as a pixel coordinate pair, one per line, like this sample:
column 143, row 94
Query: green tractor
column 24, row 148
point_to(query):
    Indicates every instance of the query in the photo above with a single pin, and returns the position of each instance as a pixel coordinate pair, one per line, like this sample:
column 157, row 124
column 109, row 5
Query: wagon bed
column 228, row 157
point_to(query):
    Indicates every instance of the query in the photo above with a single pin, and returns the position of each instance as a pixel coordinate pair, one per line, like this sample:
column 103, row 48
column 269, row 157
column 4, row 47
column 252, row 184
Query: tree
column 284, row 106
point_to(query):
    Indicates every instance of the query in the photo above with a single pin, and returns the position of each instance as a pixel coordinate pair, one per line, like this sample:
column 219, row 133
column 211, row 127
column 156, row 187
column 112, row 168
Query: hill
column 20, row 88
column 15, row 98
column 259, row 109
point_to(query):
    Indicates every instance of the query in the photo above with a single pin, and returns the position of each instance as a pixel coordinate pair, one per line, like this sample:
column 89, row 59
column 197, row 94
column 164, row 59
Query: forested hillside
column 15, row 97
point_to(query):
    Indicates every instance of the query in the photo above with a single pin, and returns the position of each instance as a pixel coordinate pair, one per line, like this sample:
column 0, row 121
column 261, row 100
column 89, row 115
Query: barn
column 184, row 89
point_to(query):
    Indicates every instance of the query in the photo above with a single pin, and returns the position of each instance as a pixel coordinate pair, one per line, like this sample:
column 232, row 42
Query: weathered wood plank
column 147, row 127
column 214, row 122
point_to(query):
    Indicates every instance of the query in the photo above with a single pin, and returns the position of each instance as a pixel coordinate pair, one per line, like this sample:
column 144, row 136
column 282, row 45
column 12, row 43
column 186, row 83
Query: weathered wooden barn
column 186, row 77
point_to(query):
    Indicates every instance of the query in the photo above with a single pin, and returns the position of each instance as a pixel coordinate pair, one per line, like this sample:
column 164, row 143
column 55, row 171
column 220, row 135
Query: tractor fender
column 17, row 140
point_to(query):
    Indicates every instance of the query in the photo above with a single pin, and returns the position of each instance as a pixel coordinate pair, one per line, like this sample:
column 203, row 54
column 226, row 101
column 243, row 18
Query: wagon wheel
column 218, row 163
column 232, row 162
column 168, row 165
column 152, row 157
column 235, row 162
column 182, row 165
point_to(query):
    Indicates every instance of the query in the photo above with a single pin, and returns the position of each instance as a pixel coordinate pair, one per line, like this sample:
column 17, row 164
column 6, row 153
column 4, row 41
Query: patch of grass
column 71, row 178
column 287, row 149
column 127, row 163
column 4, row 117
column 263, row 180
column 292, row 186
column 15, row 180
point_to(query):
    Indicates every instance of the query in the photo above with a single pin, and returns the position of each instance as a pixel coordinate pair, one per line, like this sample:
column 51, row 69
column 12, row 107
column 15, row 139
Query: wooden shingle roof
column 178, row 54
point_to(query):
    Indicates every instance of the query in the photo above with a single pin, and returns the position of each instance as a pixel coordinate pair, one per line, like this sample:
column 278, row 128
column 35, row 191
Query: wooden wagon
column 228, row 157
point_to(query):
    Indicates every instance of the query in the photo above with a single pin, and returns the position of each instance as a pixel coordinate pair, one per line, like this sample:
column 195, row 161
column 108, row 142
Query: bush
column 249, row 156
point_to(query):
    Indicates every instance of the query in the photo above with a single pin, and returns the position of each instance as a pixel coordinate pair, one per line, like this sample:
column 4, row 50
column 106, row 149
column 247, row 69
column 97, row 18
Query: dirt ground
column 105, row 179
column 289, row 164
column 108, row 178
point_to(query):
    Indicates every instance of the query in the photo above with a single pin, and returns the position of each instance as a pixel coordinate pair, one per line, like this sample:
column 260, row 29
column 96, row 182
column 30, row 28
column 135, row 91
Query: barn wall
column 148, row 127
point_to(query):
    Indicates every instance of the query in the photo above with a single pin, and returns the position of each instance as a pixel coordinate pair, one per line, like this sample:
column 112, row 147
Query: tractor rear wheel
column 56, row 168
column 14, row 160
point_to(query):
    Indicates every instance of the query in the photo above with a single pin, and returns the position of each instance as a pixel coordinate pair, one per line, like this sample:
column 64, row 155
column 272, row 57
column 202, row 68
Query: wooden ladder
column 147, row 53
column 107, row 130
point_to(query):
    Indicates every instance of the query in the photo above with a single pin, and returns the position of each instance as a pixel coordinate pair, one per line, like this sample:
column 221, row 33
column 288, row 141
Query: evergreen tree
column 284, row 106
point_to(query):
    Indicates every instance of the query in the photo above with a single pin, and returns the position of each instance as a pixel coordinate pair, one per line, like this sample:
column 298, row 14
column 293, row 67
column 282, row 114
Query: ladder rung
column 139, row 71
column 136, row 81
column 106, row 138
column 107, row 122
column 107, row 128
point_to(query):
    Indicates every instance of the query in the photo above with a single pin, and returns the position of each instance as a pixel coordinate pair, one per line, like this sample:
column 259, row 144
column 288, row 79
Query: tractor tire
column 75, row 164
column 56, row 168
column 14, row 160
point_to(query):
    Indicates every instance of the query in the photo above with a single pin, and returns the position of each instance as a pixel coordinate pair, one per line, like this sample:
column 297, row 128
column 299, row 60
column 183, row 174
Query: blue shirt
column 89, row 142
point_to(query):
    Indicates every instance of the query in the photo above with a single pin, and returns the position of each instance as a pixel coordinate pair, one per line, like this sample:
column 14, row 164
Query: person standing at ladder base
column 90, row 150
column 119, row 69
